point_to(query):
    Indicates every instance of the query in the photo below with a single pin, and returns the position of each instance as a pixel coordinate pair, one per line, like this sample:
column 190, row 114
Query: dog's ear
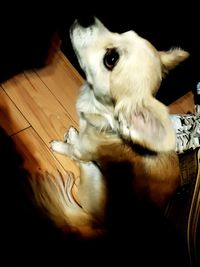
column 171, row 58
column 149, row 126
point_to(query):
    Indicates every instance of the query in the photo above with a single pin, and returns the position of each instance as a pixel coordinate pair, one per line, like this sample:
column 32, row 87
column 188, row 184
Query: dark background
column 26, row 31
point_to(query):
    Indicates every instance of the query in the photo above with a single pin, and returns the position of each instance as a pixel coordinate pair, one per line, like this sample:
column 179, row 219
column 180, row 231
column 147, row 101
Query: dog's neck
column 102, row 108
column 105, row 100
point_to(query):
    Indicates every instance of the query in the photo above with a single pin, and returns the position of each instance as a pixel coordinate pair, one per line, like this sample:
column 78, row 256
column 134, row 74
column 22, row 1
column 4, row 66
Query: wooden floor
column 39, row 105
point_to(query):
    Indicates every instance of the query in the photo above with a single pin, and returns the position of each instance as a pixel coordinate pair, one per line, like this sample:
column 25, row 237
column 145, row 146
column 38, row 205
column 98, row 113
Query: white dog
column 124, row 132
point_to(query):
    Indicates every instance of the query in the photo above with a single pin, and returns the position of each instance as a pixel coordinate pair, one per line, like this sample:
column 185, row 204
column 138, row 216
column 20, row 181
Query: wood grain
column 39, row 106
column 41, row 109
column 63, row 81
column 37, row 156
column 11, row 119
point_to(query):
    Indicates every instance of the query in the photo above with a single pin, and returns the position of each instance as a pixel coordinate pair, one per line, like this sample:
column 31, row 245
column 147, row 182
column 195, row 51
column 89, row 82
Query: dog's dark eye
column 111, row 58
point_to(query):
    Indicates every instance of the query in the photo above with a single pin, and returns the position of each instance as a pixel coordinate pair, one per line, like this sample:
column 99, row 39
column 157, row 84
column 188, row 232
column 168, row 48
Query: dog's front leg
column 69, row 146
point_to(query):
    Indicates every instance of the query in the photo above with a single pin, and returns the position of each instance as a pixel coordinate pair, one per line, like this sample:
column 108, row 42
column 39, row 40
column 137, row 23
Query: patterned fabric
column 187, row 128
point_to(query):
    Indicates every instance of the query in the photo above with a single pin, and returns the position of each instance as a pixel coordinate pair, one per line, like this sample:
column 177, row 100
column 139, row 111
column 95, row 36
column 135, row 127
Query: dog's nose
column 86, row 21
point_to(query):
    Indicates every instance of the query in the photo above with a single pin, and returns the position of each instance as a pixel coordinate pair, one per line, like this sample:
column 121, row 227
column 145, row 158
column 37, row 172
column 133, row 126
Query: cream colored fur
column 120, row 122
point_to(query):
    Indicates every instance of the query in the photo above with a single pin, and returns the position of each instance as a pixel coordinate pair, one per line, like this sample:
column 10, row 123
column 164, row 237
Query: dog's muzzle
column 83, row 22
column 86, row 21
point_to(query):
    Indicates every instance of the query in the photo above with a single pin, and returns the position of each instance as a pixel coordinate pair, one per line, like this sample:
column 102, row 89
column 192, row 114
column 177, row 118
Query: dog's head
column 125, row 70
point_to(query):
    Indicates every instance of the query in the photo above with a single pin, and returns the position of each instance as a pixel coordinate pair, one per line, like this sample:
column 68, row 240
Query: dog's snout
column 86, row 21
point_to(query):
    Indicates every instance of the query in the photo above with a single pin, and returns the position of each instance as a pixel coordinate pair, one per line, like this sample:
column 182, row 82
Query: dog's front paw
column 58, row 146
column 71, row 136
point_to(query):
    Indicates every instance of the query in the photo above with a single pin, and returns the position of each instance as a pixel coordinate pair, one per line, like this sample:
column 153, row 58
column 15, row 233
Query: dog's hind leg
column 92, row 190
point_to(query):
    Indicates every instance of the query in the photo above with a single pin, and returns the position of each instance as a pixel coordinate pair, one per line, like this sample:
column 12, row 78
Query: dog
column 125, row 137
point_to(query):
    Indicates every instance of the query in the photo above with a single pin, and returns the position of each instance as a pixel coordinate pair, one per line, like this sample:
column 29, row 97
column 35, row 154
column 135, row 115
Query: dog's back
column 154, row 175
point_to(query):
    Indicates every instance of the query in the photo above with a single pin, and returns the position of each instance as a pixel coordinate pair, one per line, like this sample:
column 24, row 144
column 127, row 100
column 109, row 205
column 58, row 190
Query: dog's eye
column 111, row 58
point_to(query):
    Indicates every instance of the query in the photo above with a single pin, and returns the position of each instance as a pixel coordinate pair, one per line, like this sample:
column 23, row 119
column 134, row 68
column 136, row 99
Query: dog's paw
column 58, row 146
column 71, row 136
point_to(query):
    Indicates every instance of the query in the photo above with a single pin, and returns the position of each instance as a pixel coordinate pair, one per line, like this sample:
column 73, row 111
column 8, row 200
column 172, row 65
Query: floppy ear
column 149, row 126
column 170, row 59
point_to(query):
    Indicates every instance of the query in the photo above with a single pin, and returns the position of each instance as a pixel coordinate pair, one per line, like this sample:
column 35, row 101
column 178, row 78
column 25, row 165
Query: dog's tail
column 53, row 194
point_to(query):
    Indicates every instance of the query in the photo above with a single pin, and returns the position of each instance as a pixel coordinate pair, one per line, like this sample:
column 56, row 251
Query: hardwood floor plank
column 39, row 106
column 183, row 105
column 37, row 156
column 11, row 119
column 63, row 81
column 44, row 113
